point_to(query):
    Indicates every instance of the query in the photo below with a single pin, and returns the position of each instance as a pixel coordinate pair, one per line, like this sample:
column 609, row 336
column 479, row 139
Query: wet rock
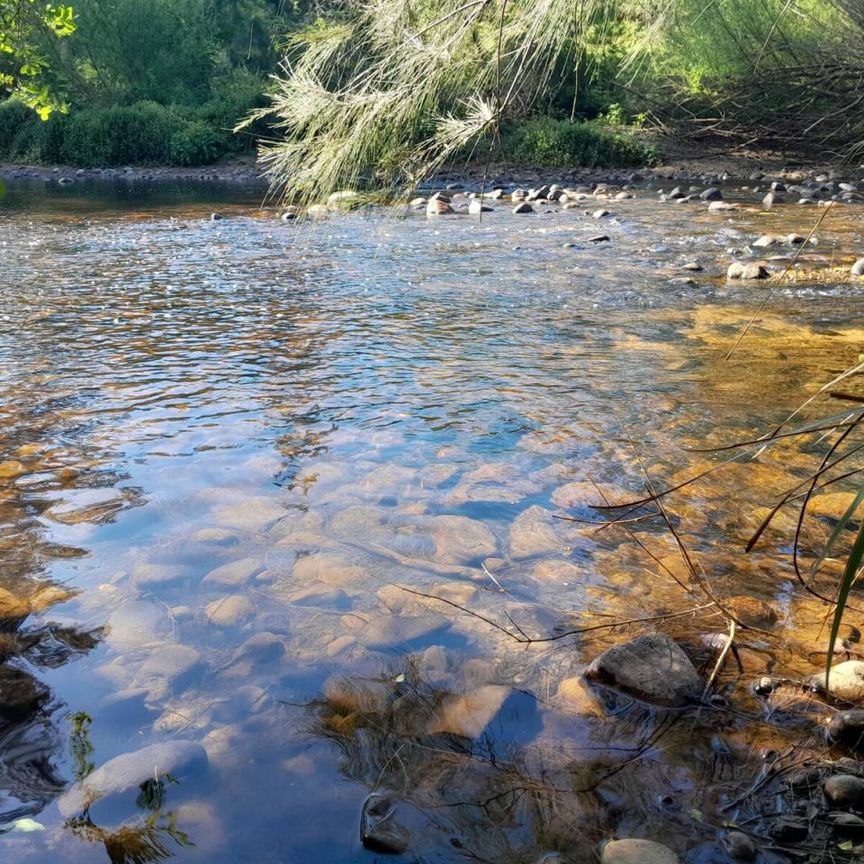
column 711, row 194
column 216, row 217
column 231, row 611
column 858, row 268
column 831, row 505
column 600, row 214
column 469, row 714
column 753, row 613
column 476, row 207
column 234, row 573
column 773, row 198
column 180, row 759
column 721, row 207
column 358, row 696
column 147, row 576
column 460, row 540
column 524, row 207
column 846, row 681
column 844, row 792
column 637, row 852
column 577, row 698
column 740, row 846
column 261, row 650
column 533, row 533
column 400, row 631
column 379, row 830
column 794, row 239
column 651, row 667
column 599, row 238
column 693, row 267
column 746, row 270
column 766, row 240
column 342, row 197
column 289, row 215
column 847, row 728
column 136, row 623
column 438, row 206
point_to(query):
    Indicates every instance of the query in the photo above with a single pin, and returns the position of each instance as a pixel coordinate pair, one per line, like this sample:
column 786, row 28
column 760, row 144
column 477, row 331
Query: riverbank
column 684, row 162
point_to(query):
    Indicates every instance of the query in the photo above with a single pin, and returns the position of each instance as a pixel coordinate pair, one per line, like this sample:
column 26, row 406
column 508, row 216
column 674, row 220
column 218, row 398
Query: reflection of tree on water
column 29, row 738
column 145, row 841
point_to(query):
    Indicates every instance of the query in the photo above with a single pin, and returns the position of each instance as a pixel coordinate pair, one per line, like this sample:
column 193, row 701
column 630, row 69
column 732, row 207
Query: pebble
column 637, row 852
column 234, row 573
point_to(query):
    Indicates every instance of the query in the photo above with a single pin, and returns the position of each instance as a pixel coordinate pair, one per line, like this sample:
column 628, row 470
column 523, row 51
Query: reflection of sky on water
column 237, row 439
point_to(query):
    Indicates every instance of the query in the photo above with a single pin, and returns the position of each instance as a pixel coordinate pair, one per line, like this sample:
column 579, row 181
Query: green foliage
column 145, row 133
column 22, row 62
column 560, row 143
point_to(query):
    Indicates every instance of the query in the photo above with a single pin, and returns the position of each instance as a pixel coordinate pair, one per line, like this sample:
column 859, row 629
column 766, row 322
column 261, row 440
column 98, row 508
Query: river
column 229, row 446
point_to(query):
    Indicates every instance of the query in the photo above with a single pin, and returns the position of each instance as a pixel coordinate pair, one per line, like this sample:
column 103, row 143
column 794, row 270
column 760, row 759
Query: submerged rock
column 129, row 770
column 651, row 667
column 379, row 830
column 637, row 852
column 846, row 682
column 844, row 792
column 469, row 714
column 847, row 728
column 740, row 846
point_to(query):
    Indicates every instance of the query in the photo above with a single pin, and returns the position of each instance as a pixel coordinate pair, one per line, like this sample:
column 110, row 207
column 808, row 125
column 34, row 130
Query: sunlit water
column 239, row 440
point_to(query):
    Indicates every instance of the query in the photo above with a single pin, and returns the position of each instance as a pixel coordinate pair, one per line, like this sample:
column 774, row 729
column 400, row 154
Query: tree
column 22, row 63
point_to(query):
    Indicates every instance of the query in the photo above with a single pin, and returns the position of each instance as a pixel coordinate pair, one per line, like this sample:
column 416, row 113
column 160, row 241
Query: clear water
column 325, row 414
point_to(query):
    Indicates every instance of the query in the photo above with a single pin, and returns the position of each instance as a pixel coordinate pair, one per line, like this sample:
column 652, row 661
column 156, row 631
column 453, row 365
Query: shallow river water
column 227, row 447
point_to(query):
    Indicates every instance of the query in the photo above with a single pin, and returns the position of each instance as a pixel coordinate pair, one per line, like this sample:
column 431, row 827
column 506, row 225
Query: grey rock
column 136, row 623
column 858, row 268
column 846, row 682
column 746, row 270
column 847, row 728
column 651, row 667
column 379, row 830
column 711, row 194
column 637, row 852
column 524, row 207
column 844, row 792
column 598, row 238
column 124, row 772
column 773, row 198
column 740, row 846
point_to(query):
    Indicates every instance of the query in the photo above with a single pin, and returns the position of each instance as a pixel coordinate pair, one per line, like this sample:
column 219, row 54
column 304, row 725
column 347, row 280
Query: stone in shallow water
column 847, row 728
column 393, row 631
column 234, row 573
column 637, row 852
column 124, row 772
column 460, row 540
column 844, row 792
column 379, row 829
column 136, row 623
column 577, row 698
column 230, row 611
column 532, row 533
column 846, row 681
column 469, row 714
column 651, row 667
column 157, row 575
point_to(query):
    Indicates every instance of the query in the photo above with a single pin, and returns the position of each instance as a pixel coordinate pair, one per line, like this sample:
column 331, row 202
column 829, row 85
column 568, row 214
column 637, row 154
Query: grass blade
column 849, row 574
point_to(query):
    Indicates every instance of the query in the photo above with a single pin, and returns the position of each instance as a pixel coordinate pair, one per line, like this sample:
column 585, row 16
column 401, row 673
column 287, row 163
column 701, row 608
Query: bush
column 14, row 116
column 196, row 143
column 560, row 143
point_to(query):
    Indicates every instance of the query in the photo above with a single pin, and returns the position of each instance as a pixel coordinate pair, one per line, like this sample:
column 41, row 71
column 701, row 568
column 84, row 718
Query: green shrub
column 14, row 116
column 560, row 143
column 196, row 143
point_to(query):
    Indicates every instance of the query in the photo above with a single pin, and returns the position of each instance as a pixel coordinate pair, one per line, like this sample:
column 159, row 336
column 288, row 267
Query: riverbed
column 313, row 499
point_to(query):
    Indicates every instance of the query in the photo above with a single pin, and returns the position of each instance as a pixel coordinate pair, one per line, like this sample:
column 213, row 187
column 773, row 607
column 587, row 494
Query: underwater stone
column 651, row 667
column 637, row 852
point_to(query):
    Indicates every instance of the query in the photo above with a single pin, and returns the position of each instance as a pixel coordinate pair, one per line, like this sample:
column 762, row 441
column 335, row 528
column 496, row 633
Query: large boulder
column 651, row 667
